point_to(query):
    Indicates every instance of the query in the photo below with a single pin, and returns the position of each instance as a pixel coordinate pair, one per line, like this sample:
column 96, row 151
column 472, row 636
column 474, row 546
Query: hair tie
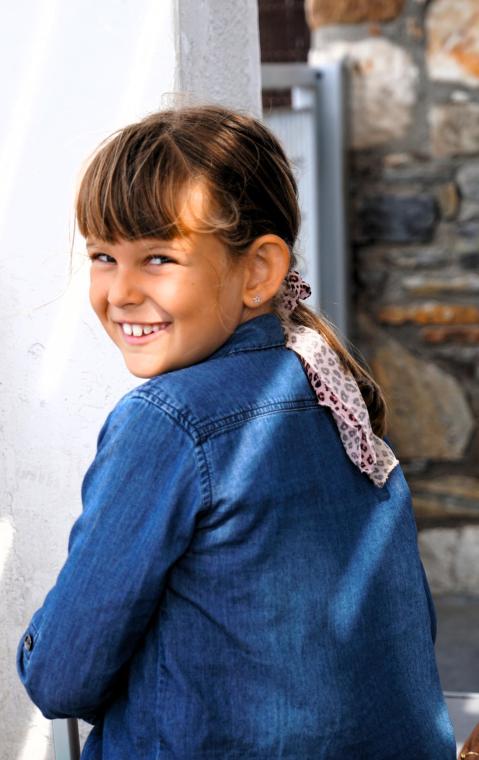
column 293, row 289
column 334, row 386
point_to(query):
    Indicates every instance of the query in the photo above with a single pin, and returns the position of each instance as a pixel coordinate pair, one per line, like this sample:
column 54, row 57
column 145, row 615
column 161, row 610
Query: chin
column 144, row 373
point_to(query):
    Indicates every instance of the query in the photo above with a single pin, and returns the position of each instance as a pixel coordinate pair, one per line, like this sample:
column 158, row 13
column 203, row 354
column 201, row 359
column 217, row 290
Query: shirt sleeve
column 141, row 498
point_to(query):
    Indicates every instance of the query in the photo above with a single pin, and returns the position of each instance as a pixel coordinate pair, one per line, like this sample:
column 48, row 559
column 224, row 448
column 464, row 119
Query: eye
column 157, row 259
column 103, row 258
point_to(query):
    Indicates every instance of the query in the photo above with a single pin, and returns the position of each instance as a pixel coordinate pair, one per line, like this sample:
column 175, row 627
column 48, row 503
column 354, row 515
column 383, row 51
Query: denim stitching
column 231, row 421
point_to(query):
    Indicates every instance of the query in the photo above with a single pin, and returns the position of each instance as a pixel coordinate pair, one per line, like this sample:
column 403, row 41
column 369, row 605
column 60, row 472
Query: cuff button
column 28, row 642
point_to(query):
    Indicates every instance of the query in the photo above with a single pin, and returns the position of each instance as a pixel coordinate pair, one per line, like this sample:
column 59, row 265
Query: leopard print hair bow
column 334, row 386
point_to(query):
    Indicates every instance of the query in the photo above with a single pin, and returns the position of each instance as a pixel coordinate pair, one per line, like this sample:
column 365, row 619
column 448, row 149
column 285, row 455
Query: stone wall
column 414, row 180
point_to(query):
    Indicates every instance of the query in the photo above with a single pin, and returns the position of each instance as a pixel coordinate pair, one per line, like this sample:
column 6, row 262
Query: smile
column 139, row 330
column 135, row 333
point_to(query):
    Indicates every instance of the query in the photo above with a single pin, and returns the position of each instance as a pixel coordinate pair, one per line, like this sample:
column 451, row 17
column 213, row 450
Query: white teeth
column 138, row 330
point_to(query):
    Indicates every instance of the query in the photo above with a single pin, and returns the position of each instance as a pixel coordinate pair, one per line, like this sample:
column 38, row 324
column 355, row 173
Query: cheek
column 97, row 295
column 92, row 297
column 185, row 299
column 230, row 297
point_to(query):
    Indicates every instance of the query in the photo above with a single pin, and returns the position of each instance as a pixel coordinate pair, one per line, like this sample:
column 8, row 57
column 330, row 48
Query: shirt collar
column 264, row 331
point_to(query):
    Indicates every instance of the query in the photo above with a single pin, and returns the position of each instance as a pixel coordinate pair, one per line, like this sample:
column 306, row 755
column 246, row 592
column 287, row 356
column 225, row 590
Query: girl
column 244, row 580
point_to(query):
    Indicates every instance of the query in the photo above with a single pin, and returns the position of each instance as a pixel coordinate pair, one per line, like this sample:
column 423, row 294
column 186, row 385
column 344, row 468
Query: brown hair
column 136, row 182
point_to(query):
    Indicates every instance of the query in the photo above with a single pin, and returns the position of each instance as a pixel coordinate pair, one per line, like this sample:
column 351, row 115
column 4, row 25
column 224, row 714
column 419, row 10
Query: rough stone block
column 469, row 211
column 407, row 168
column 429, row 416
column 463, row 356
column 437, row 547
column 451, row 559
column 417, row 257
column 384, row 83
column 447, row 497
column 453, row 41
column 429, row 313
column 425, row 285
column 397, row 218
column 459, row 246
column 468, row 180
column 373, row 279
column 468, row 230
column 448, row 199
column 414, row 29
column 460, row 334
column 454, row 129
column 470, row 260
column 322, row 12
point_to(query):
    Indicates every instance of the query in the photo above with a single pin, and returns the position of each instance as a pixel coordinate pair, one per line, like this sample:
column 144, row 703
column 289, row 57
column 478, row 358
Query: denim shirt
column 235, row 587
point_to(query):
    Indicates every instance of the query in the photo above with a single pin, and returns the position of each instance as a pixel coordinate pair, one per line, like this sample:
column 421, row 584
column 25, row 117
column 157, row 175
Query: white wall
column 218, row 50
column 72, row 72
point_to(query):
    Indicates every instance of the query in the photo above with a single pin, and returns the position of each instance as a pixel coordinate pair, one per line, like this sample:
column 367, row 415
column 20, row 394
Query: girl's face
column 166, row 304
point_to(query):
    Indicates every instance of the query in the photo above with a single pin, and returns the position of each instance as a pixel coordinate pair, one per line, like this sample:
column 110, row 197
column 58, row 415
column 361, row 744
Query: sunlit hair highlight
column 139, row 181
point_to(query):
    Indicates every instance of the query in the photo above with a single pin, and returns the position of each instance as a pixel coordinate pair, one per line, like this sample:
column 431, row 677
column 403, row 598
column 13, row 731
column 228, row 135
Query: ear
column 266, row 266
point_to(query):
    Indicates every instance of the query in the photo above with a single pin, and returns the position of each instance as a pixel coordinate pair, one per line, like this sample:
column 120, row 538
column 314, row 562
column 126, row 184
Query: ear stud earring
column 256, row 299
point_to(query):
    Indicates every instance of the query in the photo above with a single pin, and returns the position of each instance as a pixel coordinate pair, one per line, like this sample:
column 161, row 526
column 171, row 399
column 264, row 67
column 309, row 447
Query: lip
column 132, row 340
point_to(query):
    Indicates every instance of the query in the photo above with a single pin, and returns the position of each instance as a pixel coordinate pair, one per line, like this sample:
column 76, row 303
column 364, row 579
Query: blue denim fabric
column 235, row 587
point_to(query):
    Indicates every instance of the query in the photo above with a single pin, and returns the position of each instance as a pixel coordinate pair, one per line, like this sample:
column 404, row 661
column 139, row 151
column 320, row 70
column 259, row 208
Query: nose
column 124, row 288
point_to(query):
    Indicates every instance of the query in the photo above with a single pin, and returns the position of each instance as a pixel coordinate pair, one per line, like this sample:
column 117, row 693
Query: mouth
column 137, row 333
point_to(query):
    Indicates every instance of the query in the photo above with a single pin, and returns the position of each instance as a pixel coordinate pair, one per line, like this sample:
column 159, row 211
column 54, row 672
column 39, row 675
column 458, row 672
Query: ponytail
column 370, row 390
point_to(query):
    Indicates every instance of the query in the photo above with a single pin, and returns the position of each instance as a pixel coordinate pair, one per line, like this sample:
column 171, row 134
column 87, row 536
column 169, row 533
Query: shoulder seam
column 247, row 349
column 230, row 421
column 161, row 402
column 187, row 426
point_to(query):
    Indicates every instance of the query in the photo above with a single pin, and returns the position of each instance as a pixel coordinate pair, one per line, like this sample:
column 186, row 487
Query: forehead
column 194, row 203
column 192, row 216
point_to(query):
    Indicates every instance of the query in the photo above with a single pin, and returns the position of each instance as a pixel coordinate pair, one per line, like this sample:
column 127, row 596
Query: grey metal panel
column 276, row 76
column 296, row 131
column 335, row 268
column 66, row 741
column 324, row 237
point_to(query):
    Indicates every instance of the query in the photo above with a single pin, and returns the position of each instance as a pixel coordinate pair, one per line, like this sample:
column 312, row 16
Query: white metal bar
column 327, row 83
column 66, row 740
column 334, row 259
column 282, row 76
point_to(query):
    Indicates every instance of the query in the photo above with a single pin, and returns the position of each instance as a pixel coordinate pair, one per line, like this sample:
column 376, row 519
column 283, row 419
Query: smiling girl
column 244, row 579
column 142, row 287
